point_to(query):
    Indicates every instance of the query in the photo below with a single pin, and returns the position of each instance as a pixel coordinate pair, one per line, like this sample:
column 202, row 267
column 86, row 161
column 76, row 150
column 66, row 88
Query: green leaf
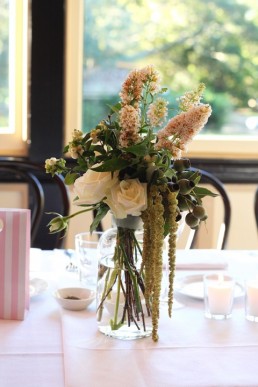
column 140, row 149
column 202, row 192
column 112, row 165
column 66, row 149
column 114, row 108
column 102, row 211
column 87, row 145
column 71, row 177
column 166, row 228
column 86, row 137
column 100, row 149
column 170, row 173
column 195, row 177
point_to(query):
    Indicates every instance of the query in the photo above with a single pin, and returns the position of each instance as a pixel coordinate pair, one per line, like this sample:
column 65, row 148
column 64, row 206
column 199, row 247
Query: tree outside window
column 215, row 42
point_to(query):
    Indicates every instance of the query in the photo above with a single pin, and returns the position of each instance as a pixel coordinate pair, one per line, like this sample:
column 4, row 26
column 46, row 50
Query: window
column 189, row 42
column 13, row 70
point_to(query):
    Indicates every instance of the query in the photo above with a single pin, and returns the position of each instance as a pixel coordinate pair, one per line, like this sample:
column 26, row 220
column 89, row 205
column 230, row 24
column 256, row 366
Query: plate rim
column 192, row 278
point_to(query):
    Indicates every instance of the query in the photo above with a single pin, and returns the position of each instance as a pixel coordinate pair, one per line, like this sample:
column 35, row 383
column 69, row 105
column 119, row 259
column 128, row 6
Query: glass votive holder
column 251, row 300
column 218, row 296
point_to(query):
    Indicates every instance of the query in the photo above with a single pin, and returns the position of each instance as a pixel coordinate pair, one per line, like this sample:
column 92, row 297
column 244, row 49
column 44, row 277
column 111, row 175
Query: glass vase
column 122, row 311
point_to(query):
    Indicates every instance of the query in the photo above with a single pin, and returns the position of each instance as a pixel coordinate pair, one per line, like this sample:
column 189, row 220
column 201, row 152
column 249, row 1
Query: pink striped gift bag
column 14, row 263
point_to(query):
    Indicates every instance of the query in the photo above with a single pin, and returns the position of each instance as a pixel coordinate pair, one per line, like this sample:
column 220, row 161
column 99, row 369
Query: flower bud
column 204, row 218
column 185, row 186
column 182, row 203
column 173, row 187
column 57, row 224
column 191, row 220
column 179, row 215
column 181, row 164
column 199, row 212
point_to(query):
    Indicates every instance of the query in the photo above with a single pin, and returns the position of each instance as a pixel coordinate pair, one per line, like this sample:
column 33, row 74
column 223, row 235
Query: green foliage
column 221, row 108
column 102, row 210
column 189, row 42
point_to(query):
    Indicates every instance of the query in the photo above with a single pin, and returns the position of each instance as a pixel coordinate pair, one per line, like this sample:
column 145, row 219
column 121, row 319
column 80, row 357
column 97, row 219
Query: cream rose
column 127, row 197
column 92, row 187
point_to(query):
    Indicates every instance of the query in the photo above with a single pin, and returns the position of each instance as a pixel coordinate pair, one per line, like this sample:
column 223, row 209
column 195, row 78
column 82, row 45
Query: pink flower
column 181, row 129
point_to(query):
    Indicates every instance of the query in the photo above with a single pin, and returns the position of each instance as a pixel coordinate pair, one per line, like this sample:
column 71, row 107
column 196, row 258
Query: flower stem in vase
column 125, row 313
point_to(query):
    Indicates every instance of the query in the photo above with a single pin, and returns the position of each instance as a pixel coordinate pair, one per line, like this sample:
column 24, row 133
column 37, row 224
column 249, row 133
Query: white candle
column 219, row 294
column 252, row 297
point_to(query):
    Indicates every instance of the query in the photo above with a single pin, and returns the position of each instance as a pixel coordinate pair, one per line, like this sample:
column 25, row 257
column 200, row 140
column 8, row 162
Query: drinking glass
column 86, row 247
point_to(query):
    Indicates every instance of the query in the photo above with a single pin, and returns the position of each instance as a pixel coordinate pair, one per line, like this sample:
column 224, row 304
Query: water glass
column 86, row 247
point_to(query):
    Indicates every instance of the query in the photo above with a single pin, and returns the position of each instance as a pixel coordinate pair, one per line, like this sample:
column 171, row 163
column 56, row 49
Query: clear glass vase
column 122, row 311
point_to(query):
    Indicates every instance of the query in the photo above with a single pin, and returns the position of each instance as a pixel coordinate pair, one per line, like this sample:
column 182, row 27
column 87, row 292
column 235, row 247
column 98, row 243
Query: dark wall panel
column 47, row 78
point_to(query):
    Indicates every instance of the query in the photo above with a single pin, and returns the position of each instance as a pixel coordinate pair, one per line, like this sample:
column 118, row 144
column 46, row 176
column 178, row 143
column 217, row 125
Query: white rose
column 127, row 197
column 92, row 187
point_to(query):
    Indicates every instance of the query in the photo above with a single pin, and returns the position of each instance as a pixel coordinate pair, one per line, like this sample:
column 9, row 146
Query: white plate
column 37, row 286
column 192, row 286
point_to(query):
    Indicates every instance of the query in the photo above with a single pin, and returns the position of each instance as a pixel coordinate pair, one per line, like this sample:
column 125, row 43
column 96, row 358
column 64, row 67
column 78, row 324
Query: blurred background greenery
column 190, row 41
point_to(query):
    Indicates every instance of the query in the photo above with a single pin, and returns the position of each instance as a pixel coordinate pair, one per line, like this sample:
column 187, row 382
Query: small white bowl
column 74, row 298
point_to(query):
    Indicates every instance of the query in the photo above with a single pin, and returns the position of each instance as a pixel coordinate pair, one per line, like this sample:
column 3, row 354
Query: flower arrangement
column 130, row 164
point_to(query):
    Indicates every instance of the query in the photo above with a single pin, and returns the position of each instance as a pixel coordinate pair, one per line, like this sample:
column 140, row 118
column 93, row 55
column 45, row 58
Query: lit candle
column 252, row 298
column 219, row 291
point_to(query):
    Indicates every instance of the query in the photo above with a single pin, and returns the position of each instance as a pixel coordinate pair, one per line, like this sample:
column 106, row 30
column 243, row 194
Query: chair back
column 45, row 194
column 256, row 207
column 208, row 178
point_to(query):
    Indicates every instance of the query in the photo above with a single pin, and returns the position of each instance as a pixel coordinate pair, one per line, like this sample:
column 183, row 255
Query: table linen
column 192, row 351
column 54, row 347
column 31, row 353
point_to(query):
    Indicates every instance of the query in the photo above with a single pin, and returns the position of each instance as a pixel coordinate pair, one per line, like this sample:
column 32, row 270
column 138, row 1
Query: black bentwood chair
column 256, row 207
column 45, row 194
column 214, row 182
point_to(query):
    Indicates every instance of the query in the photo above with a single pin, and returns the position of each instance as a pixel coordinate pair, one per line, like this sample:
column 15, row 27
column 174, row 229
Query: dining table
column 56, row 347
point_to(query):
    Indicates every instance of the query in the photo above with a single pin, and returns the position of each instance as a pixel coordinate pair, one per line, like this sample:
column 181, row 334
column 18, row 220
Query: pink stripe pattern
column 14, row 263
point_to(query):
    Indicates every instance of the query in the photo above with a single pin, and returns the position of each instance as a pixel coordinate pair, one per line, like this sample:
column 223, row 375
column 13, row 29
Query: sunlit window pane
column 14, row 76
column 189, row 42
column 4, row 65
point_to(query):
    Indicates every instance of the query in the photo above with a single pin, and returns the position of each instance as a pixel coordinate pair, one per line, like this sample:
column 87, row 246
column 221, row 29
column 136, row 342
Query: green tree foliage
column 189, row 41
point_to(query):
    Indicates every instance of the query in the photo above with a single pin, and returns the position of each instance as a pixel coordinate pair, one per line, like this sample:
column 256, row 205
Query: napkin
column 200, row 260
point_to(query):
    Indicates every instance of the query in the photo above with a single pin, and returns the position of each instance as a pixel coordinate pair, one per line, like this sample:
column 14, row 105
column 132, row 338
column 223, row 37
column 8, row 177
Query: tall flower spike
column 131, row 89
column 191, row 98
column 157, row 112
column 181, row 129
column 151, row 77
column 129, row 120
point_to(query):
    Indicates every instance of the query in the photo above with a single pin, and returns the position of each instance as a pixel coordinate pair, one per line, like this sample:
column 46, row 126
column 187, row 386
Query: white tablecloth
column 192, row 351
column 53, row 347
column 31, row 353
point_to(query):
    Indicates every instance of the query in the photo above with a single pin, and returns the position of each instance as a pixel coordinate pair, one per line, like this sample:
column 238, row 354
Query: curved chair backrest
column 208, row 178
column 256, row 207
column 14, row 170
